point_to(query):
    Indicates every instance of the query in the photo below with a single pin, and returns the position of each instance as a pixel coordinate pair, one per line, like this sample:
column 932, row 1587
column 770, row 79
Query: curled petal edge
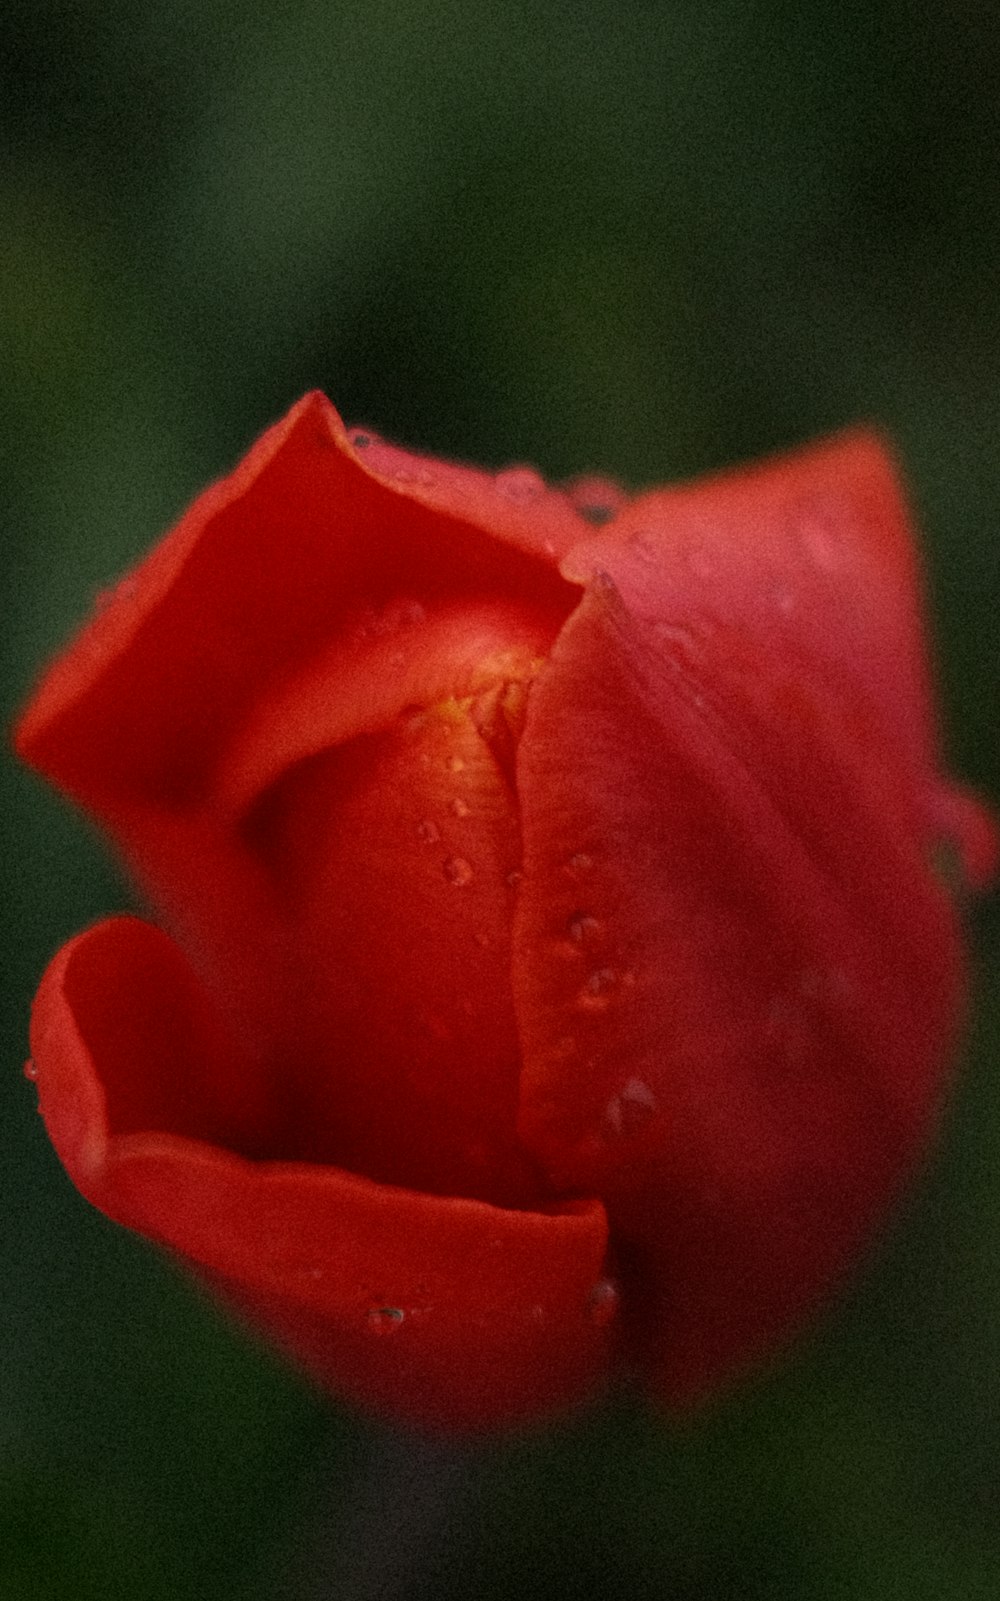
column 448, row 1312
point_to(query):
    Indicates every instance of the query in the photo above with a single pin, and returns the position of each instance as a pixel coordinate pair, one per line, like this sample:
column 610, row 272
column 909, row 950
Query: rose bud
column 551, row 968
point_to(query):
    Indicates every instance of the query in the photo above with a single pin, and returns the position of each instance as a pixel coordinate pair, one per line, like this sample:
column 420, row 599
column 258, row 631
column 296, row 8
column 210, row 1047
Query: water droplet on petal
column 597, row 991
column 125, row 589
column 455, row 764
column 457, row 871
column 361, row 441
column 459, row 807
column 385, row 1319
column 514, row 878
column 818, row 536
column 630, row 1110
column 579, row 862
column 520, row 484
column 677, row 638
column 407, row 472
column 30, row 1071
column 603, row 1303
column 596, row 514
column 428, row 831
column 582, row 928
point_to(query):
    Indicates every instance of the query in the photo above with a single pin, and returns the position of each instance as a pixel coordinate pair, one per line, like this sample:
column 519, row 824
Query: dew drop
column 677, row 638
column 520, row 484
column 361, row 441
column 459, row 808
column 514, row 878
column 603, row 1303
column 579, row 862
column 457, row 871
column 630, row 1110
column 125, row 589
column 596, row 514
column 428, row 831
column 455, row 764
column 582, row 928
column 385, row 1319
column 819, row 540
column 30, row 1071
column 597, row 991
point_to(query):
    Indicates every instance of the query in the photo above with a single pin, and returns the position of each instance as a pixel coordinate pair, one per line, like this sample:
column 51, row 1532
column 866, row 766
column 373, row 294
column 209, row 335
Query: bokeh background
column 641, row 238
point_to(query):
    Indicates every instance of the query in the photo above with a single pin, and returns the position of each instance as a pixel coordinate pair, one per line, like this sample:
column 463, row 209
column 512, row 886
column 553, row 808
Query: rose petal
column 252, row 635
column 392, row 858
column 452, row 1313
column 256, row 578
column 514, row 505
column 809, row 554
column 407, row 656
column 727, row 811
column 167, row 1060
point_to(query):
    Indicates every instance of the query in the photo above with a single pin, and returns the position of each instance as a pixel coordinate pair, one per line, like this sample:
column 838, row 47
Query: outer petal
column 728, row 801
column 451, row 1313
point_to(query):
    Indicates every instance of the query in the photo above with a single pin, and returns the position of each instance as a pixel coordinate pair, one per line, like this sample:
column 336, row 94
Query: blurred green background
column 639, row 238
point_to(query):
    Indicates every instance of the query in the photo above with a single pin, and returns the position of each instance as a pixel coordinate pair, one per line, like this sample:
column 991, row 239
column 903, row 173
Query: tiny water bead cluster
column 548, row 971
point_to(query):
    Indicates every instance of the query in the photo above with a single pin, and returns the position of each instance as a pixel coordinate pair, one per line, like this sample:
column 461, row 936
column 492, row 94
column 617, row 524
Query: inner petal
column 396, row 857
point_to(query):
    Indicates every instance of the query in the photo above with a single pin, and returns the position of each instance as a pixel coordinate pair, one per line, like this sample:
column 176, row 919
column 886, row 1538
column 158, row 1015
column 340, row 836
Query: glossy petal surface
column 736, row 975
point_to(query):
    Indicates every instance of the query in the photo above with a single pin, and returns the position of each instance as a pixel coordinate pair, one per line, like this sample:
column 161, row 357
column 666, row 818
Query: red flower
column 557, row 971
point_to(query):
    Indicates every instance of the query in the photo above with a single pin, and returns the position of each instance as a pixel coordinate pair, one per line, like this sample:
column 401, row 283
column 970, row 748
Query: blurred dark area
column 645, row 239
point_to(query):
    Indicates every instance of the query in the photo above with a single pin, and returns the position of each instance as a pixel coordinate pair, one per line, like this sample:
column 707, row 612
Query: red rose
column 557, row 972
